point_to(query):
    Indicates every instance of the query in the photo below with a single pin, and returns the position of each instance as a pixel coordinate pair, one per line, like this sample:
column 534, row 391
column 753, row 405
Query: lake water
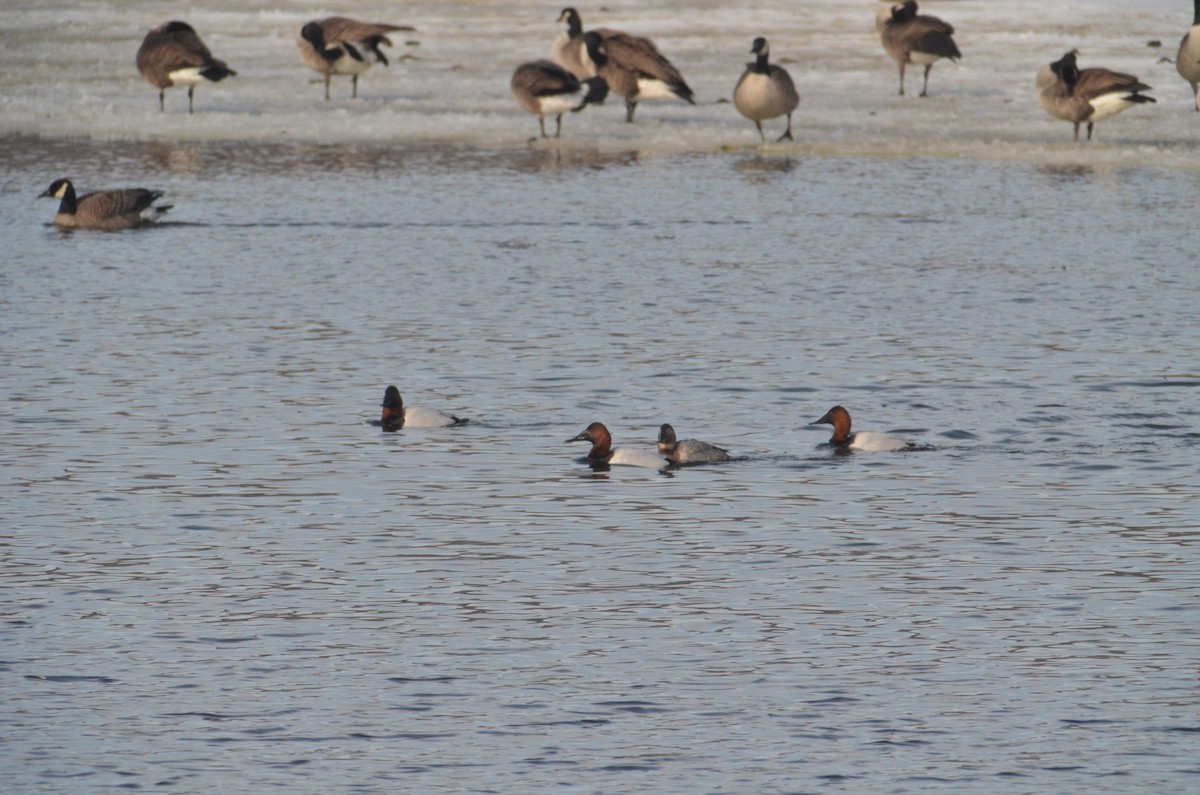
column 218, row 576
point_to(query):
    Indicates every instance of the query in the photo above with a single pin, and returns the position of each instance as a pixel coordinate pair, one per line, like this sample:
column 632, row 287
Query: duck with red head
column 874, row 441
column 602, row 451
column 396, row 416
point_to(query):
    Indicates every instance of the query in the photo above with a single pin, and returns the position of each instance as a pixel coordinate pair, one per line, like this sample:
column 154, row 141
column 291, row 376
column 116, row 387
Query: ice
column 68, row 71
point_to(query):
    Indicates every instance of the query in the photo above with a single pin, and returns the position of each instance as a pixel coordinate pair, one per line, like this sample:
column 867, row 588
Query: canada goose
column 568, row 49
column 1078, row 95
column 765, row 91
column 1187, row 62
column 542, row 88
column 633, row 68
column 173, row 55
column 342, row 46
column 917, row 39
column 106, row 209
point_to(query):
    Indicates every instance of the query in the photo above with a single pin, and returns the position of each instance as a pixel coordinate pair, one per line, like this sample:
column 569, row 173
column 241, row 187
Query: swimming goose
column 1078, row 95
column 1187, row 62
column 396, row 415
column 173, row 55
column 688, row 451
column 633, row 67
column 342, row 46
column 871, row 441
column 765, row 91
column 105, row 209
column 542, row 88
column 602, row 452
column 914, row 38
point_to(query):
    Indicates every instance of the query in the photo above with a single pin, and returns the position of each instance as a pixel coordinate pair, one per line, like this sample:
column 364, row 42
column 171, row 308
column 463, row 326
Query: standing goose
column 173, row 55
column 569, row 50
column 542, row 88
column 106, row 209
column 1078, row 95
column 634, row 68
column 1187, row 62
column 914, row 38
column 765, row 91
column 342, row 46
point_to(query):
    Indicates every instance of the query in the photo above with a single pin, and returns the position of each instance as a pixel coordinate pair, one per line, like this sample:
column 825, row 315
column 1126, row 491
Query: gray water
column 219, row 577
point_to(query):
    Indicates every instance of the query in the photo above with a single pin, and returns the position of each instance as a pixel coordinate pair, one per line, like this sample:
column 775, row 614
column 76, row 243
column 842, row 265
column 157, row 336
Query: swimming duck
column 542, row 88
column 106, row 209
column 839, row 418
column 765, row 91
column 688, row 451
column 172, row 54
column 1078, row 95
column 602, row 451
column 395, row 416
column 912, row 38
column 343, row 46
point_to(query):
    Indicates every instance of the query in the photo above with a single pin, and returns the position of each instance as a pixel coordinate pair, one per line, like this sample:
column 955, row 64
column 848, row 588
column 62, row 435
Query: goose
column 872, row 441
column 343, row 46
column 635, row 69
column 688, row 451
column 1078, row 95
column 765, row 91
column 172, row 54
column 569, row 50
column 1187, row 62
column 542, row 88
column 914, row 38
column 106, row 209
column 396, row 415
column 602, row 453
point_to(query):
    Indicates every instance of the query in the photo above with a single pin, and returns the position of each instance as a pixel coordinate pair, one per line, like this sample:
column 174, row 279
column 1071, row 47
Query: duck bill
column 825, row 420
column 580, row 438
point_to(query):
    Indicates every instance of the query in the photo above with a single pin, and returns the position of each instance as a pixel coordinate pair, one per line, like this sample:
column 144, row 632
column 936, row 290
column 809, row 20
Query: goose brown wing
column 640, row 56
column 1096, row 81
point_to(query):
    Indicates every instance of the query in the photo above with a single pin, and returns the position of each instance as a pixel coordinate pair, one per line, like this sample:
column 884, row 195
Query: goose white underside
column 1106, row 106
column 417, row 417
column 874, row 441
column 352, row 66
column 923, row 58
column 634, row 457
column 650, row 88
column 555, row 104
column 186, row 77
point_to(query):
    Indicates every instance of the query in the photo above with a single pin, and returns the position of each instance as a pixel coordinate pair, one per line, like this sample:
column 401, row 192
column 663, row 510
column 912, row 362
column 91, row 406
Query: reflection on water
column 216, row 564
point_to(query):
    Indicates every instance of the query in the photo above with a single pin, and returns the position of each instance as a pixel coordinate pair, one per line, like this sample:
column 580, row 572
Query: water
column 217, row 575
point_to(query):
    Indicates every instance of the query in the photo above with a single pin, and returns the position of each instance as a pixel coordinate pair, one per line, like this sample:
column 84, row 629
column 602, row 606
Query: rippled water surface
column 219, row 577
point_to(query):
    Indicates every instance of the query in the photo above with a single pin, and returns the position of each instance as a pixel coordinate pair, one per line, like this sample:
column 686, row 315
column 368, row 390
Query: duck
column 765, row 91
column 633, row 68
column 873, row 441
column 1187, row 61
column 542, row 88
column 172, row 54
column 396, row 416
column 602, row 451
column 108, row 210
column 688, row 451
column 1077, row 95
column 344, row 46
column 912, row 38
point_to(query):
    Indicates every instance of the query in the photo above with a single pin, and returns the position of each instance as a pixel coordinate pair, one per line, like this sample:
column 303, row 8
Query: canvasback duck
column 1077, row 95
column 839, row 418
column 688, row 451
column 602, row 451
column 395, row 416
column 912, row 38
column 109, row 210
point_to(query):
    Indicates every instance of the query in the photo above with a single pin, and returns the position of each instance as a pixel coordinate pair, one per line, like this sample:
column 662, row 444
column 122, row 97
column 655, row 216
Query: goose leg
column 630, row 107
column 1077, row 132
column 925, row 90
column 1091, row 124
column 162, row 107
column 902, row 78
column 788, row 132
column 558, row 126
column 354, row 87
column 542, row 125
column 758, row 124
column 190, row 90
column 327, row 88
